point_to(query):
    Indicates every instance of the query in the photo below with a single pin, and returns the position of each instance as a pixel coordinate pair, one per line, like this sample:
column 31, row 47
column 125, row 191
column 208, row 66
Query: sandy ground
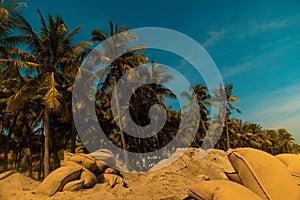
column 169, row 183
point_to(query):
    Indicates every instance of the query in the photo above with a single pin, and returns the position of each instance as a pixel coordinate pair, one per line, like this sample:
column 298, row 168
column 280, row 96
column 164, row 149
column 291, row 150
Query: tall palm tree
column 119, row 67
column 286, row 139
column 239, row 137
column 226, row 92
column 203, row 100
column 148, row 95
column 274, row 147
column 252, row 135
column 230, row 108
column 52, row 52
column 70, row 74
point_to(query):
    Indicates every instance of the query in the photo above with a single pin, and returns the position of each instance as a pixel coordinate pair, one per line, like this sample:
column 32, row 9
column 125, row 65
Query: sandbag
column 111, row 179
column 7, row 174
column 88, row 178
column 68, row 155
column 55, row 181
column 296, row 178
column 73, row 185
column 292, row 161
column 101, row 166
column 110, row 171
column 104, row 155
column 264, row 174
column 221, row 190
column 232, row 175
column 85, row 160
column 64, row 163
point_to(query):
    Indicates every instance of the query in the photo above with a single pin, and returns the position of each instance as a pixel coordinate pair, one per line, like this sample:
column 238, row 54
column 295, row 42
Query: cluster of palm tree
column 245, row 134
column 38, row 71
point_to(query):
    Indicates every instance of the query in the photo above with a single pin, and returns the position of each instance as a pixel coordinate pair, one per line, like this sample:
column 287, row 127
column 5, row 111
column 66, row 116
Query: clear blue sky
column 255, row 44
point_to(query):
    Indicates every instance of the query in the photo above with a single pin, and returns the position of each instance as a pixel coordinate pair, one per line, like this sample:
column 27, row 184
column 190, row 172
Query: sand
column 169, row 183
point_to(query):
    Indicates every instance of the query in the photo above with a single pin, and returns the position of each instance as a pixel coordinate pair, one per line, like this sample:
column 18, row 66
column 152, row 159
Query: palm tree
column 52, row 52
column 203, row 100
column 274, row 148
column 69, row 77
column 119, row 67
column 286, row 139
column 252, row 135
column 148, row 95
column 239, row 137
column 226, row 93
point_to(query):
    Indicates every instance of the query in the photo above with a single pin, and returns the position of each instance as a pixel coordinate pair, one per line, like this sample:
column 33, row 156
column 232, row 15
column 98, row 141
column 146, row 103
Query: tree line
column 38, row 70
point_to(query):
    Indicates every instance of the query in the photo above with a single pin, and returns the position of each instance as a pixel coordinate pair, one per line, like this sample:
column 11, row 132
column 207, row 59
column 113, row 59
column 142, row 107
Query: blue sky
column 255, row 44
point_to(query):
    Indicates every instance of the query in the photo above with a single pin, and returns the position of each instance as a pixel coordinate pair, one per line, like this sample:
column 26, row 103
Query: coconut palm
column 203, row 101
column 286, row 140
column 148, row 95
column 239, row 137
column 224, row 95
column 230, row 108
column 52, row 53
column 274, row 138
column 120, row 66
column 252, row 135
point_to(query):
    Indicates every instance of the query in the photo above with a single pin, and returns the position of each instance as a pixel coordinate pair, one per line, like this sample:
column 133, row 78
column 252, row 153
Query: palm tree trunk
column 120, row 123
column 140, row 144
column 156, row 135
column 203, row 127
column 157, row 141
column 1, row 126
column 41, row 154
column 19, row 156
column 30, row 156
column 56, row 160
column 227, row 136
column 1, row 130
column 137, row 145
column 6, row 150
column 73, row 138
column 47, row 141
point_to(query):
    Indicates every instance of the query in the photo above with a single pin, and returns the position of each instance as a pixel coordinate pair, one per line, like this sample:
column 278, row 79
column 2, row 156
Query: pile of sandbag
column 79, row 171
column 292, row 162
column 256, row 175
